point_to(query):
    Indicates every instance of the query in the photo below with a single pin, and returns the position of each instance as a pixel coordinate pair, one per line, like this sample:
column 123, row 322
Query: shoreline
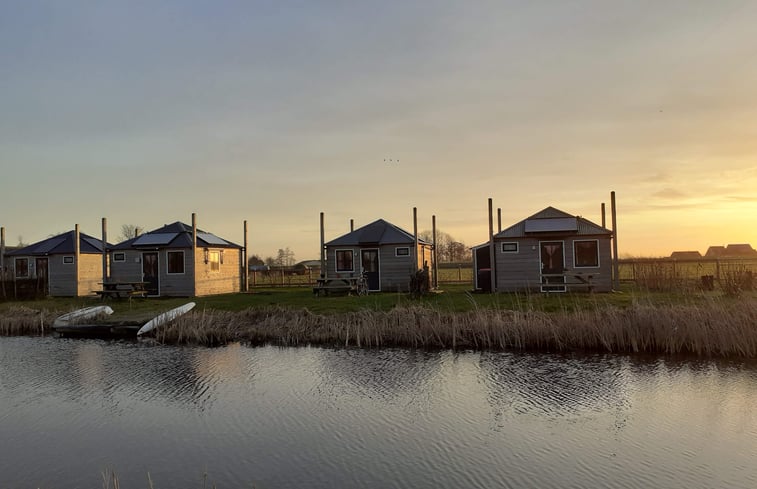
column 711, row 328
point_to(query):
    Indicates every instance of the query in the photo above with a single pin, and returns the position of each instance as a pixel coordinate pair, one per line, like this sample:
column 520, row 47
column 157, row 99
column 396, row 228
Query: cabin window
column 344, row 261
column 510, row 247
column 404, row 251
column 175, row 262
column 22, row 267
column 119, row 256
column 586, row 253
column 214, row 260
column 68, row 260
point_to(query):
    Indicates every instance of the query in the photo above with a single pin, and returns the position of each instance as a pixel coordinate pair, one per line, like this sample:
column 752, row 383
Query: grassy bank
column 702, row 324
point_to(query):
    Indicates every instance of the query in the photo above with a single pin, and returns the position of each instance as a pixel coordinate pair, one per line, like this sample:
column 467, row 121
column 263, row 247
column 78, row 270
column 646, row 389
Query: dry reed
column 712, row 328
column 708, row 327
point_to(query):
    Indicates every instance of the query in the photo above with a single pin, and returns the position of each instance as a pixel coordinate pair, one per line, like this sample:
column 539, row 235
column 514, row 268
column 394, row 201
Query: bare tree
column 285, row 257
column 448, row 249
column 128, row 231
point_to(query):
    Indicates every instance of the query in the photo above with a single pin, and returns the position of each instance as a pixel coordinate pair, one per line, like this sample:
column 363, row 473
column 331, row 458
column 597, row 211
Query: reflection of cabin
column 166, row 260
column 550, row 251
column 58, row 267
column 383, row 251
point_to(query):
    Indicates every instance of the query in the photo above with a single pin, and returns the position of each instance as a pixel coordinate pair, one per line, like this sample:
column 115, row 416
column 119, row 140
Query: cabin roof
column 174, row 235
column 60, row 244
column 378, row 232
column 553, row 221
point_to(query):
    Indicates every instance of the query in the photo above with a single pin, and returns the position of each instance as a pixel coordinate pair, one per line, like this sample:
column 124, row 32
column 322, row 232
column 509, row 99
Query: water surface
column 272, row 417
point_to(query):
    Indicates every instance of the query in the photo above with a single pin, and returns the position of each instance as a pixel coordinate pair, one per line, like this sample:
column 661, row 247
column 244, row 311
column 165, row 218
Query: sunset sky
column 273, row 111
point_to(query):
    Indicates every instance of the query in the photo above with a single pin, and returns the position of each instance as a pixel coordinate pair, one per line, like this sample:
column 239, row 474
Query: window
column 214, row 260
column 344, row 261
column 175, row 262
column 402, row 251
column 68, row 260
column 22, row 267
column 510, row 247
column 119, row 256
column 586, row 253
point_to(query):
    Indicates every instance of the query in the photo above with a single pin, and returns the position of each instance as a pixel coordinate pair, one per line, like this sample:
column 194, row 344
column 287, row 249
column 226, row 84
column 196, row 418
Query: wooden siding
column 223, row 281
column 394, row 271
column 522, row 270
column 61, row 277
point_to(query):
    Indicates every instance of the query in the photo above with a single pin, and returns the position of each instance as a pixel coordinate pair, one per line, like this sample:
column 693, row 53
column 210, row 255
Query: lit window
column 214, row 260
column 344, row 262
column 175, row 262
column 586, row 253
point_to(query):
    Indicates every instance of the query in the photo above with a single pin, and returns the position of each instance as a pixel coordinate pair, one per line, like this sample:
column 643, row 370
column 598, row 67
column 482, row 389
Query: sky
column 144, row 112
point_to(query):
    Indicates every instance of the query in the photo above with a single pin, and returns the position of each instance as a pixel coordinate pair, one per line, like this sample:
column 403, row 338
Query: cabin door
column 150, row 273
column 552, row 265
column 42, row 276
column 369, row 260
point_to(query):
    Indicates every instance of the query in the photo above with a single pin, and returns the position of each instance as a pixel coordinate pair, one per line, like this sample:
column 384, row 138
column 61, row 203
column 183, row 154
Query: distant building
column 59, row 267
column 731, row 251
column 686, row 255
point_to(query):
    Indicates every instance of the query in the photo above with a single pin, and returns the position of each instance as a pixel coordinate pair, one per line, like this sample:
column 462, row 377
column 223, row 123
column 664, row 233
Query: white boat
column 80, row 315
column 164, row 318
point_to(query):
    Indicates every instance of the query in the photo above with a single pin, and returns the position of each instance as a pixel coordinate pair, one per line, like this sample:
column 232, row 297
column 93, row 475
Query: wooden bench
column 337, row 285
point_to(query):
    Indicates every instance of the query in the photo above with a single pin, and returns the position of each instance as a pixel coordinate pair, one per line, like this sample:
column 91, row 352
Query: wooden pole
column 493, row 282
column 615, row 267
column 2, row 261
column 77, row 256
column 246, row 261
column 323, row 250
column 434, row 254
column 499, row 219
column 352, row 225
column 415, row 235
column 105, row 248
column 194, row 254
column 604, row 224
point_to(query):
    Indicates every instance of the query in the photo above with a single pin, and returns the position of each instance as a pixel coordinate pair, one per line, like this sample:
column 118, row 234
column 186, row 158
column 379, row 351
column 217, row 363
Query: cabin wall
column 90, row 273
column 395, row 270
column 522, row 270
column 226, row 279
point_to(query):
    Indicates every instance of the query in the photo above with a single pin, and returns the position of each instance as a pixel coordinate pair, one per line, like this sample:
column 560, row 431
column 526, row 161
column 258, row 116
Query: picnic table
column 349, row 284
column 122, row 289
column 569, row 279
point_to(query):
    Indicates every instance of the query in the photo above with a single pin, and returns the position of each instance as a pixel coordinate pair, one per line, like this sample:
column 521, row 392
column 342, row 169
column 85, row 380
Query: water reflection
column 311, row 417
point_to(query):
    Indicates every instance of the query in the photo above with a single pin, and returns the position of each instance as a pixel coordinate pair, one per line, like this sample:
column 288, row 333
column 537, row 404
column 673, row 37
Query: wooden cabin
column 386, row 254
column 550, row 251
column 57, row 267
column 171, row 265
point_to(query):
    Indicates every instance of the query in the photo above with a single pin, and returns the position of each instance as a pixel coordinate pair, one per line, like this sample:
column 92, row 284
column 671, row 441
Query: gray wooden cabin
column 59, row 267
column 550, row 251
column 166, row 259
column 381, row 250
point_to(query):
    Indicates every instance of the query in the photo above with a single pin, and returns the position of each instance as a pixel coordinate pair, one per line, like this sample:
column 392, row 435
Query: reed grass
column 713, row 327
column 701, row 324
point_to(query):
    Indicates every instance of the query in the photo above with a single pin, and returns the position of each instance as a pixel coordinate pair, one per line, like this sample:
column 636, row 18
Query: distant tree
column 285, row 257
column 255, row 260
column 448, row 249
column 270, row 261
column 21, row 243
column 128, row 231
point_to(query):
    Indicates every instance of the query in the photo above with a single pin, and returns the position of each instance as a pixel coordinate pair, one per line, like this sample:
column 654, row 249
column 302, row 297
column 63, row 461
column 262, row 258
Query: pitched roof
column 685, row 255
column 175, row 235
column 551, row 221
column 60, row 244
column 378, row 232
